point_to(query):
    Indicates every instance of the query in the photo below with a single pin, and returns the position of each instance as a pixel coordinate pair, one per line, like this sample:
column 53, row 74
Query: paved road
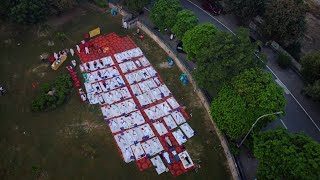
column 296, row 119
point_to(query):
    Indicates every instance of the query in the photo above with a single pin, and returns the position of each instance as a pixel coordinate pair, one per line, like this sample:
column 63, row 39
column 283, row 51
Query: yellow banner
column 94, row 32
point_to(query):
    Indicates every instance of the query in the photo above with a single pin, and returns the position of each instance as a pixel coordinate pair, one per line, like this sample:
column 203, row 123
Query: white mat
column 179, row 136
column 188, row 131
column 158, row 164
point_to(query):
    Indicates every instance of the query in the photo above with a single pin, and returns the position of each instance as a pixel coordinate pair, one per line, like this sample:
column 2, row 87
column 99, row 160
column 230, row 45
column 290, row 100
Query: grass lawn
column 73, row 141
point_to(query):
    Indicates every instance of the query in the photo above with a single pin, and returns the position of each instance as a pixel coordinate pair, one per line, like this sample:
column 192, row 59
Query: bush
column 311, row 67
column 313, row 90
column 62, row 87
column 284, row 61
column 294, row 50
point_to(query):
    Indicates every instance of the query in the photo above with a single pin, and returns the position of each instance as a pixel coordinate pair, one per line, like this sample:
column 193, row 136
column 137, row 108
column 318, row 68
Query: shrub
column 62, row 87
column 284, row 61
column 313, row 90
column 311, row 67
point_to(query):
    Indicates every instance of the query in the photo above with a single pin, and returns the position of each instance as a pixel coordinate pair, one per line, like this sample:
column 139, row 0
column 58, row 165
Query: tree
column 250, row 95
column 284, row 20
column 136, row 6
column 246, row 9
column 223, row 57
column 286, row 156
column 58, row 6
column 311, row 66
column 29, row 11
column 185, row 21
column 164, row 12
column 198, row 38
column 313, row 90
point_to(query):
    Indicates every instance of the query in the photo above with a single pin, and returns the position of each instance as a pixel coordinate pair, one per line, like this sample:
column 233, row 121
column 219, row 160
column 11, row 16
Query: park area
column 77, row 140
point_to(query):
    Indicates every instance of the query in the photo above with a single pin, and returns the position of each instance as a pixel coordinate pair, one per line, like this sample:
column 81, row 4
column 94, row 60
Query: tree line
column 244, row 91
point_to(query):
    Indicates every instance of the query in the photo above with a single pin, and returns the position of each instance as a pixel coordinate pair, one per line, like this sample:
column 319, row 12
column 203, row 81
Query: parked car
column 180, row 47
column 213, row 7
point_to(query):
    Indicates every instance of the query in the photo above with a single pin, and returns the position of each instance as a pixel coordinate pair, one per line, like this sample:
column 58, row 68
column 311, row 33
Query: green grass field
column 73, row 141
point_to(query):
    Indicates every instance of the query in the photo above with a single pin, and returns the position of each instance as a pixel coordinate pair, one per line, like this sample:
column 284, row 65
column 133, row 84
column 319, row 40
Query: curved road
column 302, row 115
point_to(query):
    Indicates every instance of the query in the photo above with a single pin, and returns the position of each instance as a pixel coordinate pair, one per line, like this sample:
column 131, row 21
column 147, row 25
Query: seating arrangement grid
column 148, row 124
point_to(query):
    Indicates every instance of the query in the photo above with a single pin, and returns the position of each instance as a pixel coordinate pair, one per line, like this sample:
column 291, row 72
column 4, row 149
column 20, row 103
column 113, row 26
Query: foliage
column 313, row 90
column 294, row 50
column 62, row 87
column 58, row 6
column 250, row 95
column 286, row 156
column 284, row 20
column 61, row 36
column 164, row 12
column 136, row 6
column 311, row 66
column 185, row 21
column 100, row 3
column 198, row 38
column 28, row 11
column 284, row 61
column 246, row 9
column 222, row 57
column 33, row 11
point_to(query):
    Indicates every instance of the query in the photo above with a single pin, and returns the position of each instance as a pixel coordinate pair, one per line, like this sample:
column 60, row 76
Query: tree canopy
column 164, row 12
column 250, row 95
column 311, row 66
column 136, row 6
column 223, row 57
column 286, row 156
column 185, row 21
column 198, row 38
column 29, row 11
column 284, row 20
column 246, row 9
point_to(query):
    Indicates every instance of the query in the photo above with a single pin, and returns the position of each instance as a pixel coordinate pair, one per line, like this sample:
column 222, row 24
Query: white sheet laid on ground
column 117, row 109
column 127, row 154
column 146, row 131
column 158, row 111
column 136, row 89
column 171, row 124
column 158, row 164
column 152, row 146
column 161, row 129
column 188, row 131
column 128, row 66
column 134, row 135
column 179, row 136
column 93, row 98
column 138, row 151
column 144, row 61
column 177, row 116
column 107, row 61
column 164, row 89
column 173, row 103
column 185, row 159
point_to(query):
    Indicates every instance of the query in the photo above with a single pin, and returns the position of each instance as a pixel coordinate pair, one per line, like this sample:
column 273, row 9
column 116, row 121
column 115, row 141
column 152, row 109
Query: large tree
column 246, row 9
column 185, row 21
column 284, row 20
column 250, row 95
column 198, row 38
column 222, row 57
column 286, row 156
column 164, row 12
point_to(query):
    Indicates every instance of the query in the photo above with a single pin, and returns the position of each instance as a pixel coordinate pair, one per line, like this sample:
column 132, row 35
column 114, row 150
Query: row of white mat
column 109, row 72
column 129, row 54
column 131, row 148
column 133, row 119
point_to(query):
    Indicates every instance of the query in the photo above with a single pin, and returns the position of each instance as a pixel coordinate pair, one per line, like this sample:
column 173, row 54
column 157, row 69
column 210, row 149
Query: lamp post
column 280, row 112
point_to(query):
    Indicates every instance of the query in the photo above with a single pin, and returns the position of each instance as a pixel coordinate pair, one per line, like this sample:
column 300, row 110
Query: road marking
column 265, row 64
column 283, row 124
column 283, row 86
